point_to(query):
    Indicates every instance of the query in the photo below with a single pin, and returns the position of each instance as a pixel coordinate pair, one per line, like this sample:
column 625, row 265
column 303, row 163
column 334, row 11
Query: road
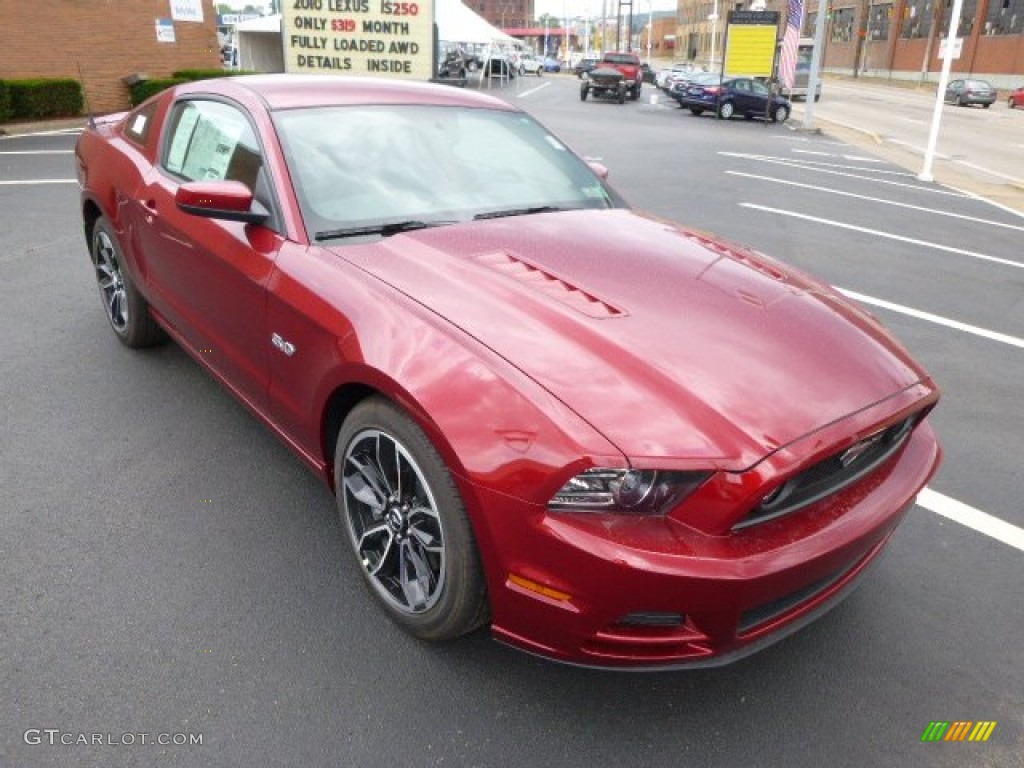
column 170, row 568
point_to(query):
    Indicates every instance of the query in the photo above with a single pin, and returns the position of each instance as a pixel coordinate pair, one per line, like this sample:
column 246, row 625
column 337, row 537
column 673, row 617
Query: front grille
column 831, row 475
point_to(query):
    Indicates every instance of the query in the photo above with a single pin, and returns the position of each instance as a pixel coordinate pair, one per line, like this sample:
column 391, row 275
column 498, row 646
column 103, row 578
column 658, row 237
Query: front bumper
column 650, row 593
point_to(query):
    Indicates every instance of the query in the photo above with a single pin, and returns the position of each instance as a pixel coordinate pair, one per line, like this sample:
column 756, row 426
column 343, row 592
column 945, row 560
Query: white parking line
column 802, row 165
column 40, row 152
column 887, row 235
column 13, row 182
column 985, row 333
column 541, row 87
column 810, row 152
column 884, row 201
column 982, row 522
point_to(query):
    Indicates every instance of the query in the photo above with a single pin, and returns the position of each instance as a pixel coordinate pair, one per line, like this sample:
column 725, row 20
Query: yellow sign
column 750, row 50
column 359, row 37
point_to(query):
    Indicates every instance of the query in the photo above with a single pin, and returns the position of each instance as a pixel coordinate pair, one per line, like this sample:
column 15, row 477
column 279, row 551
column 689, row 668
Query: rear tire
column 726, row 110
column 697, row 111
column 584, row 91
column 127, row 311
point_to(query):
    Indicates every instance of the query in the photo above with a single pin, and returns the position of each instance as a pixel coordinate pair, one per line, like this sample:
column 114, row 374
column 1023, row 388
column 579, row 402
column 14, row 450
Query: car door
column 208, row 277
column 760, row 97
column 741, row 96
column 953, row 89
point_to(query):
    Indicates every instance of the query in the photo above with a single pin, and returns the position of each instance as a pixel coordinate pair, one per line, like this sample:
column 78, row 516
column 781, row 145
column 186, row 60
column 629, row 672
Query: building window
column 810, row 21
column 1004, row 17
column 966, row 18
column 917, row 18
column 842, row 25
column 878, row 21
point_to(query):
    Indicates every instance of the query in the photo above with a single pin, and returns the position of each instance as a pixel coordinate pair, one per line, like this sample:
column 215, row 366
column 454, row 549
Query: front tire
column 584, row 92
column 407, row 524
column 127, row 311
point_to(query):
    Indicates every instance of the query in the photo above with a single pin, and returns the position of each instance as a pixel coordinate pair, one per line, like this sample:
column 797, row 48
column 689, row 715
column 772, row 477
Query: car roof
column 296, row 91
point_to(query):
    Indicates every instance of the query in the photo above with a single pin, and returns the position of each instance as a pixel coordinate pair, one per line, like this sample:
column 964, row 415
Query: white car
column 531, row 65
column 665, row 77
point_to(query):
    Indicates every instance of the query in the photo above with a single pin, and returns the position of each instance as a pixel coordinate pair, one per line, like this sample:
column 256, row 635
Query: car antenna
column 85, row 96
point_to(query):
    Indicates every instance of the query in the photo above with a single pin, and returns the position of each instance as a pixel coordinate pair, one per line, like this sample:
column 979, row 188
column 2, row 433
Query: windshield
column 355, row 167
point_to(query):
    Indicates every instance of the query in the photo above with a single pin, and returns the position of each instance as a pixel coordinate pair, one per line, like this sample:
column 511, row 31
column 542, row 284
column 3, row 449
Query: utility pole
column 933, row 32
column 862, row 34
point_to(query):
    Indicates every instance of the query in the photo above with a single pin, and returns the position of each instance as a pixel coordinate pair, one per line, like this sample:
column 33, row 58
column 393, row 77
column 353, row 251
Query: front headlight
column 626, row 491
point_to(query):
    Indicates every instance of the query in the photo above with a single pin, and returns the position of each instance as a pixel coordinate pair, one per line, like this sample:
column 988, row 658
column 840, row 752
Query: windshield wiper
column 520, row 211
column 384, row 230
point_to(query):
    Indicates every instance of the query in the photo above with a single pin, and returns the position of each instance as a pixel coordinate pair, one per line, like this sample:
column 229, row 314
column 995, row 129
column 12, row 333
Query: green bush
column 143, row 89
column 204, row 74
column 37, row 98
column 5, row 102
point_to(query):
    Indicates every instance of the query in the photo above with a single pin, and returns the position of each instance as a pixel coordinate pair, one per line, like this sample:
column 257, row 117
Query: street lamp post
column 650, row 27
column 713, row 18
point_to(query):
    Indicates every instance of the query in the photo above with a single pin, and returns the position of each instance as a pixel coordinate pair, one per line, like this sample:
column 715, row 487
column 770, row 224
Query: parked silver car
column 964, row 93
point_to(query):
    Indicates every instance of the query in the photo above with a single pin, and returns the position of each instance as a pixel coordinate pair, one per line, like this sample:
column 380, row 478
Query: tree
column 549, row 21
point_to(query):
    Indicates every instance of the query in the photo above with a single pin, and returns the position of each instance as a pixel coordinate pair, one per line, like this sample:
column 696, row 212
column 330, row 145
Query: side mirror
column 227, row 200
column 600, row 170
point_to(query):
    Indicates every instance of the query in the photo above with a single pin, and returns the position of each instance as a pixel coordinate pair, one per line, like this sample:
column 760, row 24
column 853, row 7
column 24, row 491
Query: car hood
column 671, row 343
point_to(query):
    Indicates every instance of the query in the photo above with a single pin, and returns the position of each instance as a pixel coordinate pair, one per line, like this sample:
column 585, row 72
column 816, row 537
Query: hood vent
column 540, row 280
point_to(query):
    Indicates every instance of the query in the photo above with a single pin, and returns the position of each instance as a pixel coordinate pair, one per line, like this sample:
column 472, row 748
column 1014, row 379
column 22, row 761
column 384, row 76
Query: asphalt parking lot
column 171, row 569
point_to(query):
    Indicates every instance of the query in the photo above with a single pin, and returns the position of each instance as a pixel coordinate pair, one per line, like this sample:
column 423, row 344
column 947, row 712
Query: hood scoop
column 550, row 285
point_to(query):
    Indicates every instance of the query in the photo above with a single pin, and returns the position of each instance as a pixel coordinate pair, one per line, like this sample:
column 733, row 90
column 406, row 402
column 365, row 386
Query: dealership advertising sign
column 359, row 37
column 750, row 43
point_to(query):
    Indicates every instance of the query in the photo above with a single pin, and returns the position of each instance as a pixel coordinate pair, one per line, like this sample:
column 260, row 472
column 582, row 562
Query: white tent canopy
column 458, row 24
column 260, row 48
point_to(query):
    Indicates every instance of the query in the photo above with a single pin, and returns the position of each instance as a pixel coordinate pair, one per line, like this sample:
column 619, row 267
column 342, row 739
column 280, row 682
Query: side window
column 212, row 141
column 759, row 88
column 136, row 126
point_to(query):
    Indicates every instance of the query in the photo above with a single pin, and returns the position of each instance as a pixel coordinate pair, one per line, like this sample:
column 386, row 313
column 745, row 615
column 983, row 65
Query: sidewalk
column 42, row 126
column 962, row 178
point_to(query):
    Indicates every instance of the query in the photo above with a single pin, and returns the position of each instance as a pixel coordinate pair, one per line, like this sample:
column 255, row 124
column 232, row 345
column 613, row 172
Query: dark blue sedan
column 737, row 96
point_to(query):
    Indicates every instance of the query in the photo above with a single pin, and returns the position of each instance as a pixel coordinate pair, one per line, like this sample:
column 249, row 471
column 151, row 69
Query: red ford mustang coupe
column 619, row 441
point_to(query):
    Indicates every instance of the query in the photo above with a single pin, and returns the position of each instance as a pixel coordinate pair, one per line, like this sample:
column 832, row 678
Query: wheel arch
column 91, row 213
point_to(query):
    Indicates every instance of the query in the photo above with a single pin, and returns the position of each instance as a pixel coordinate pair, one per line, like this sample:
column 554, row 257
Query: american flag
column 790, row 42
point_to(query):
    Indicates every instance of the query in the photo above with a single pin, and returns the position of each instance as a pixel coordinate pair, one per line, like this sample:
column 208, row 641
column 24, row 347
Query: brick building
column 101, row 42
column 883, row 38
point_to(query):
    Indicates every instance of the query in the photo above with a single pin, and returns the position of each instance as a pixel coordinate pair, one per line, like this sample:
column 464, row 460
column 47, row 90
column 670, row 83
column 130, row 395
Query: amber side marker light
column 540, row 589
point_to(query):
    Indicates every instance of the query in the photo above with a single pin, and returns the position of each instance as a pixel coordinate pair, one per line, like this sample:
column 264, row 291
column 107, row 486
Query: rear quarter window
column 137, row 125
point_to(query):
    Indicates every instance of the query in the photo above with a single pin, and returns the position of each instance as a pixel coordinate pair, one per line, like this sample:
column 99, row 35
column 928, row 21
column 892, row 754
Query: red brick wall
column 98, row 42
